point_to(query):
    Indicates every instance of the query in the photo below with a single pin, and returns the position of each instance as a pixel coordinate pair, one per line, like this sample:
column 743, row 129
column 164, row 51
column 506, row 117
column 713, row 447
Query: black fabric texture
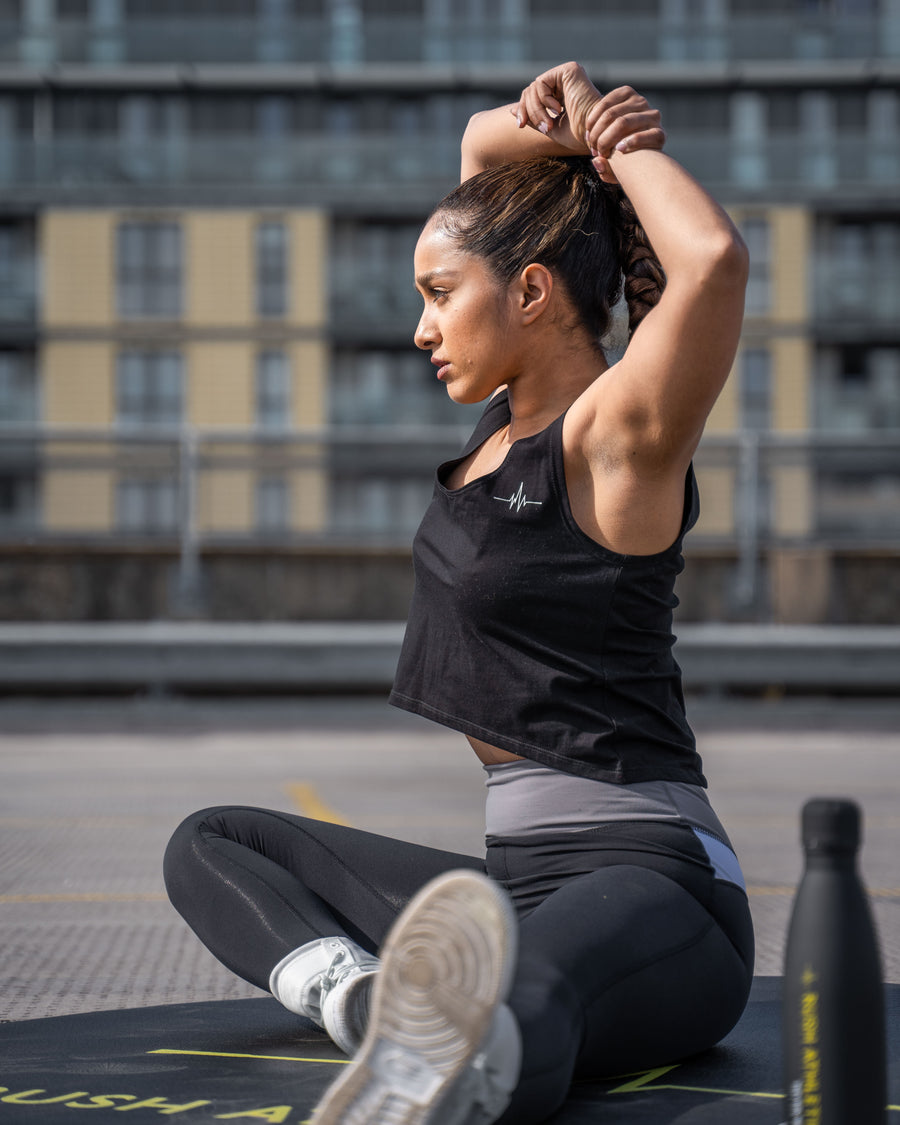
column 527, row 634
column 631, row 954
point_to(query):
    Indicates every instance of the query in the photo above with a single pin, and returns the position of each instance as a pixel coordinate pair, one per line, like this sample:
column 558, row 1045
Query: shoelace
column 335, row 972
column 338, row 972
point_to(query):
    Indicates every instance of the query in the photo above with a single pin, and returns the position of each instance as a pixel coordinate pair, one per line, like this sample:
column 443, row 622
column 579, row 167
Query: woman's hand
column 563, row 103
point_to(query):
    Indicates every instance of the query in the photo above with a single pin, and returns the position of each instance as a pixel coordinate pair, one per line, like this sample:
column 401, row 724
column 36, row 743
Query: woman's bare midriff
column 491, row 755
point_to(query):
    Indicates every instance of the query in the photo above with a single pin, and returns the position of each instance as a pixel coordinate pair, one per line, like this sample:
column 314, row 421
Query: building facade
column 207, row 215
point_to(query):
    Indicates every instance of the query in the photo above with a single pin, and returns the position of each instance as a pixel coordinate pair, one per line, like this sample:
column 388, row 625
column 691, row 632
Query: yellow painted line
column 236, row 1055
column 310, row 804
column 715, row 1090
column 642, row 1084
column 89, row 896
column 641, row 1079
column 646, row 1082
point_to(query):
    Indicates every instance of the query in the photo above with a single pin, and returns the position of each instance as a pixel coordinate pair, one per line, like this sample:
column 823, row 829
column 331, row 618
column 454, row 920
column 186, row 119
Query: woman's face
column 466, row 322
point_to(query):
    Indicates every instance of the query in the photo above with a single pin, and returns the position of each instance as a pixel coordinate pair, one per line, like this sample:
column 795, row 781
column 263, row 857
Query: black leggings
column 631, row 953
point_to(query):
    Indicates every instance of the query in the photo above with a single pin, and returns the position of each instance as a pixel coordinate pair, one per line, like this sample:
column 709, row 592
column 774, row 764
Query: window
column 817, row 136
column 86, row 114
column 18, row 499
column 143, row 117
column 220, row 113
column 17, row 268
column 149, row 270
column 18, row 392
column 784, row 111
column 169, row 8
column 273, row 397
column 748, row 133
column 271, row 269
column 147, row 504
column 688, row 112
column 149, row 388
column 378, row 504
column 370, row 273
column 851, row 110
column 883, row 117
column 392, row 7
column 757, row 235
column 272, row 504
column 883, row 140
column 273, row 117
column 392, row 387
column 851, row 267
column 756, row 389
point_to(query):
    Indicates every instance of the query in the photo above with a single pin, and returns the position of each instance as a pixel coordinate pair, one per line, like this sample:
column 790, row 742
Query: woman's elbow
column 719, row 262
column 730, row 258
column 472, row 131
column 472, row 147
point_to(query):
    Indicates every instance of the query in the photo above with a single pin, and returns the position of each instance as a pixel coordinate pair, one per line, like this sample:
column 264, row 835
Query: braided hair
column 644, row 279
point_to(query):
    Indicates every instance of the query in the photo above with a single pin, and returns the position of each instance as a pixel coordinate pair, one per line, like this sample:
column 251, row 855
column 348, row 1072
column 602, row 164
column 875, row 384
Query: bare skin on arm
column 631, row 429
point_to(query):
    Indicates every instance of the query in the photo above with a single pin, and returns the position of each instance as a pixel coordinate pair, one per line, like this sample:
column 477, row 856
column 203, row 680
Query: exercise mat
column 250, row 1060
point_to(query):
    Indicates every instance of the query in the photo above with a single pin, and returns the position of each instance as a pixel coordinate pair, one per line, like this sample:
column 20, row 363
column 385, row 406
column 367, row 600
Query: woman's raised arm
column 655, row 401
column 541, row 123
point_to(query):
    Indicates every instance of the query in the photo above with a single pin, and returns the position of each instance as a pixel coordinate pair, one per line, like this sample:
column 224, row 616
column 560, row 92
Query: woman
column 612, row 931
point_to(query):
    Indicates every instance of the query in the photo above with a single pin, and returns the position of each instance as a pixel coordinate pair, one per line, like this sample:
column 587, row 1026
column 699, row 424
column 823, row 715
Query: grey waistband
column 527, row 799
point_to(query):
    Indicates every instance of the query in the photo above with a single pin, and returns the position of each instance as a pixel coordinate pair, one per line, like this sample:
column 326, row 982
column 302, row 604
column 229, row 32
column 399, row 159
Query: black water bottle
column 833, row 1016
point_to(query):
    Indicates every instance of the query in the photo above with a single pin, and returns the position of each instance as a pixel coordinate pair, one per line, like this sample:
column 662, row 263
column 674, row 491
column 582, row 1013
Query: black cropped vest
column 527, row 634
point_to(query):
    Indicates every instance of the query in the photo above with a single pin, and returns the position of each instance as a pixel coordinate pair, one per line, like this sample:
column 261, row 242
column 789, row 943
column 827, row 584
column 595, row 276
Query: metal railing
column 372, row 162
column 369, row 485
column 718, row 36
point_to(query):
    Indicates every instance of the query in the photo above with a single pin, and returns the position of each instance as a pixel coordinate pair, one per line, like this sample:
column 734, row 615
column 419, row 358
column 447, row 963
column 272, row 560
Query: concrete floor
column 91, row 790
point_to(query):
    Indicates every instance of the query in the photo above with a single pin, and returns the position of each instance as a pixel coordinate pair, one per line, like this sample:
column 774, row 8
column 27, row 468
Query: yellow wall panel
column 308, row 268
column 77, row 251
column 220, row 384
column 723, row 417
column 309, row 390
column 791, row 361
column 716, row 500
column 793, row 500
column 309, row 498
column 78, row 500
column 225, row 500
column 220, row 268
column 78, row 385
column 790, row 228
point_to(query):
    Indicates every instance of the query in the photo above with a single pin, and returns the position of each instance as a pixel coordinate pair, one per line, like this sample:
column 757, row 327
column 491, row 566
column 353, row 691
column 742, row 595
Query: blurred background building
column 209, row 399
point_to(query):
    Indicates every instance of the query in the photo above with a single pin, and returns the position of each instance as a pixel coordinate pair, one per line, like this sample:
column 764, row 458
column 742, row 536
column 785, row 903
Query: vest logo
column 517, row 500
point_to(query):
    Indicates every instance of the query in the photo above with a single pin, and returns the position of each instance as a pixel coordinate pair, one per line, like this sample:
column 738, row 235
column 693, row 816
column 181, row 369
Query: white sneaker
column 441, row 1047
column 329, row 981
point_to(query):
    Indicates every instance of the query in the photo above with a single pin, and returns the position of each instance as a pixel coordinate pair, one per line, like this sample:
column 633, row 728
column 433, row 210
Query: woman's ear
column 534, row 289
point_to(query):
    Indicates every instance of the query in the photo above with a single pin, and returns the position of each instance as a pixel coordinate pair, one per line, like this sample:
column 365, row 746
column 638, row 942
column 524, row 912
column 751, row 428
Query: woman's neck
column 545, row 390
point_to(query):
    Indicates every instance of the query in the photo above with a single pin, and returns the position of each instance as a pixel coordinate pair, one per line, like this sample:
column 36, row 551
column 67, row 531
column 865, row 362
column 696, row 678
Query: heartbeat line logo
column 517, row 500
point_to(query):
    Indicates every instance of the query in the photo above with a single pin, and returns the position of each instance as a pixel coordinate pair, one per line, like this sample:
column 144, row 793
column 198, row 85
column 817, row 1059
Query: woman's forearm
column 494, row 137
column 690, row 233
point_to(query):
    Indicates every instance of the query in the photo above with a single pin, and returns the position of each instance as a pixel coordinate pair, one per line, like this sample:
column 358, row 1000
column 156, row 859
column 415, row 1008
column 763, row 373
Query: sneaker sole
column 447, row 963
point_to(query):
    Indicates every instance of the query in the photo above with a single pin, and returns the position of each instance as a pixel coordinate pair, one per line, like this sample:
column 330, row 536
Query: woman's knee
column 182, row 851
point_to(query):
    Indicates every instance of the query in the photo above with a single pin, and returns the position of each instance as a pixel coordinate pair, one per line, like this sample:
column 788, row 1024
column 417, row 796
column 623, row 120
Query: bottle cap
column 831, row 824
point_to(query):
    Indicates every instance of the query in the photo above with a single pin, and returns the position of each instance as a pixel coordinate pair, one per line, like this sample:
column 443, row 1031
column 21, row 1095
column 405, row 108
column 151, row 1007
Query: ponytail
column 644, row 279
